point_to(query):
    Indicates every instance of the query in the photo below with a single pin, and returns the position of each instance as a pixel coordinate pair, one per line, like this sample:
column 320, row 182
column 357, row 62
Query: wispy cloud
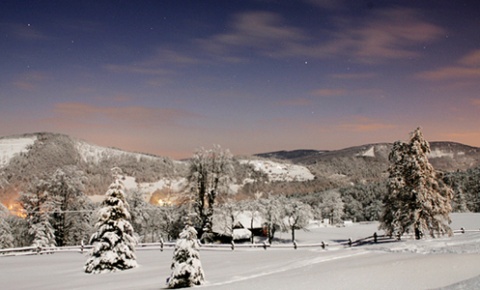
column 136, row 69
column 25, row 32
column 328, row 92
column 158, row 68
column 365, row 124
column 476, row 102
column 371, row 93
column 264, row 32
column 31, row 80
column 385, row 34
column 135, row 116
column 467, row 67
column 326, row 4
column 297, row 102
column 354, row 76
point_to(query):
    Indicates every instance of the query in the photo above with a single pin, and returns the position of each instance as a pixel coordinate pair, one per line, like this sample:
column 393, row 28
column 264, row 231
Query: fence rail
column 373, row 239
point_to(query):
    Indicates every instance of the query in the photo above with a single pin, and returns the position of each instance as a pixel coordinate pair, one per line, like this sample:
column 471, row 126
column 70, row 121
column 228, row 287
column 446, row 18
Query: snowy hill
column 25, row 156
column 370, row 162
column 10, row 147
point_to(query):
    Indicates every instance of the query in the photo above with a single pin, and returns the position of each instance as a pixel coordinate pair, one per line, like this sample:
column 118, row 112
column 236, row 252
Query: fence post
column 375, row 237
column 264, row 245
column 462, row 229
column 161, row 244
column 294, row 244
column 323, row 245
column 233, row 245
column 350, row 242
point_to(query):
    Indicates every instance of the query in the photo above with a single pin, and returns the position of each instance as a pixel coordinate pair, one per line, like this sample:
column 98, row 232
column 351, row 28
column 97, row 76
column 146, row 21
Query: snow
column 281, row 171
column 9, row 147
column 368, row 153
column 96, row 153
column 147, row 188
column 447, row 263
column 437, row 153
column 245, row 219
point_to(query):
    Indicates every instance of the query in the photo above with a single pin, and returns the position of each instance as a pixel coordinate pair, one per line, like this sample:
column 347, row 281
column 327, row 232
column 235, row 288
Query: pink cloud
column 466, row 67
column 471, row 59
column 264, row 31
column 354, row 76
column 365, row 124
column 29, row 81
column 328, row 92
column 296, row 102
column 386, row 34
column 476, row 102
column 130, row 116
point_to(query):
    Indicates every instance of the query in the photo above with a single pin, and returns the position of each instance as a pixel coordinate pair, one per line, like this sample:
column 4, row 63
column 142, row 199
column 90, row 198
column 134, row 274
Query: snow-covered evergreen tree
column 114, row 241
column 186, row 266
column 6, row 237
column 417, row 200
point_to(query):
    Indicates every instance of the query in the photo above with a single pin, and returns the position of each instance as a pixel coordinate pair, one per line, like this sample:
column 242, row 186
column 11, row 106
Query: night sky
column 167, row 77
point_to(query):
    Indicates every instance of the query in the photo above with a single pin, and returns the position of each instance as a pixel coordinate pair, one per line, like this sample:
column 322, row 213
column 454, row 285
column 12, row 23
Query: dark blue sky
column 166, row 77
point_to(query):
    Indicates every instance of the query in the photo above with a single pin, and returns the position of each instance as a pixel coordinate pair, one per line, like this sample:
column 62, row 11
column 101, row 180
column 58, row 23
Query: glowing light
column 162, row 202
column 16, row 209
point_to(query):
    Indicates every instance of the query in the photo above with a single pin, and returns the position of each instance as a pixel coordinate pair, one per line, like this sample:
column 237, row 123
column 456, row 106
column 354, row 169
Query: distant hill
column 24, row 157
column 370, row 162
column 291, row 155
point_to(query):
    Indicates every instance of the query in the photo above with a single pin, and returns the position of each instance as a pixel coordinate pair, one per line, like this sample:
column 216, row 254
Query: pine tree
column 417, row 200
column 186, row 266
column 114, row 241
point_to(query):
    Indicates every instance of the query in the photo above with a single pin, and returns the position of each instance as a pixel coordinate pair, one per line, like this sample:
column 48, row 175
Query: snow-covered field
column 453, row 263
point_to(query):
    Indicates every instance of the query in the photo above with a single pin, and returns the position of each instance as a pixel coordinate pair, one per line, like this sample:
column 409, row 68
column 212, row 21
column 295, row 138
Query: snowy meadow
column 442, row 263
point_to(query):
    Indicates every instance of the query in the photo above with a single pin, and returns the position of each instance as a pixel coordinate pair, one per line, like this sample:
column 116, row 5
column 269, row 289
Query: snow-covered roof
column 241, row 234
column 245, row 218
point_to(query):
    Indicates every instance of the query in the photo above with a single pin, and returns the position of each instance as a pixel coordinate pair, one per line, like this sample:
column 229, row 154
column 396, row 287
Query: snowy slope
column 94, row 153
column 9, row 147
column 281, row 171
column 456, row 266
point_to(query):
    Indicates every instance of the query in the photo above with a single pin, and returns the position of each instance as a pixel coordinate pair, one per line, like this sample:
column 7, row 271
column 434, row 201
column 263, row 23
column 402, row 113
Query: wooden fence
column 373, row 239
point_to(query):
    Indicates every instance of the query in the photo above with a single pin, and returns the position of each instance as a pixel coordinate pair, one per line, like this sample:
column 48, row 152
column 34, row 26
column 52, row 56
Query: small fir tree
column 417, row 200
column 186, row 266
column 114, row 241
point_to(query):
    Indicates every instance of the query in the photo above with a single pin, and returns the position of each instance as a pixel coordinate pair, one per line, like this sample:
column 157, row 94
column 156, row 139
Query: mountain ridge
column 25, row 156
